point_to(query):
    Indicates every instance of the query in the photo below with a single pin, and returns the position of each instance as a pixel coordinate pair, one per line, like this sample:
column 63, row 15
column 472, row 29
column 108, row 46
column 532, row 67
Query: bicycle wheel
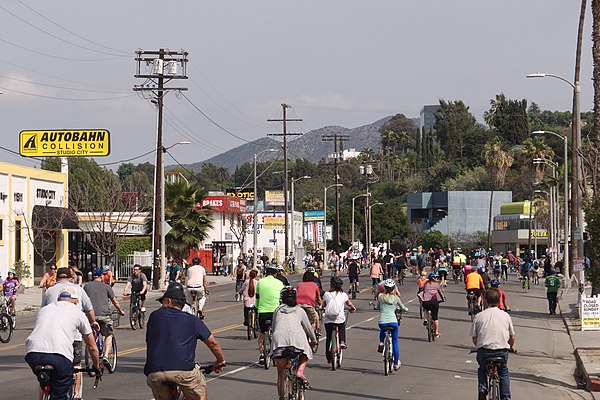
column 353, row 291
column 6, row 328
column 141, row 318
column 493, row 389
column 430, row 337
column 267, row 350
column 299, row 389
column 333, row 347
column 386, row 355
column 285, row 385
column 133, row 316
column 112, row 356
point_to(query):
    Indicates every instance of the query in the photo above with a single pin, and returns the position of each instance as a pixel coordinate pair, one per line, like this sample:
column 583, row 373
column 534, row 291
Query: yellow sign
column 276, row 222
column 68, row 143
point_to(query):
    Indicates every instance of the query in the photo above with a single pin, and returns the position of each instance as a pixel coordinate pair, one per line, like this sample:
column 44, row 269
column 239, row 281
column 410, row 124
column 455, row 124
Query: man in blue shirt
column 171, row 339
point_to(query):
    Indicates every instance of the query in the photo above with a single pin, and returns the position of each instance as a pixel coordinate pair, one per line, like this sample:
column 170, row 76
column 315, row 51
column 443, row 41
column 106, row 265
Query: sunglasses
column 53, row 268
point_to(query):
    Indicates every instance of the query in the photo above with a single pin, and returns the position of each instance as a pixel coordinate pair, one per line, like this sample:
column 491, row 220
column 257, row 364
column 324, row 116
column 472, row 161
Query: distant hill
column 308, row 146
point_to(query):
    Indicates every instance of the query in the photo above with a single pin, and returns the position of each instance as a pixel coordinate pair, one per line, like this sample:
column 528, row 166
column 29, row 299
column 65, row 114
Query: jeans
column 61, row 379
column 395, row 345
column 482, row 354
column 552, row 301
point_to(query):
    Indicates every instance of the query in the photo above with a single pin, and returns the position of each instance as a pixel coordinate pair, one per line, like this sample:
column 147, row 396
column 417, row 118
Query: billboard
column 240, row 194
column 65, row 143
column 314, row 215
column 274, row 198
column 274, row 222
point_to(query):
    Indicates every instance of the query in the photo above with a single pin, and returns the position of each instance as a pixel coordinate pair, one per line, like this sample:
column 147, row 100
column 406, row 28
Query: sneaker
column 105, row 362
column 482, row 394
column 261, row 359
column 380, row 348
column 397, row 366
column 143, row 309
column 424, row 323
column 343, row 345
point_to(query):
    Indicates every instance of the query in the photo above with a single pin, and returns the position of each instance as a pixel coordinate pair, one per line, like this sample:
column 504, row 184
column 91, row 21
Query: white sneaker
column 143, row 309
column 397, row 366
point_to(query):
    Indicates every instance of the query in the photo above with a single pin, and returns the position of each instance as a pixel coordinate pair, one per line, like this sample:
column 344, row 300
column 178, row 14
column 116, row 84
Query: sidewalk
column 586, row 344
column 28, row 303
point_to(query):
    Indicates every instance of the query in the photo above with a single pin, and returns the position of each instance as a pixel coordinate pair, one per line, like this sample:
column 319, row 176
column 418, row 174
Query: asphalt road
column 543, row 368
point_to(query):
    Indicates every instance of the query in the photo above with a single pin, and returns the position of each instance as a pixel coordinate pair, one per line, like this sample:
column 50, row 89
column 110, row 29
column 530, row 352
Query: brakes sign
column 67, row 143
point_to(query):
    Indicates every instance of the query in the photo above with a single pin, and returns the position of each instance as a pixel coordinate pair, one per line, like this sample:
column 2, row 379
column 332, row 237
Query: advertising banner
column 274, row 198
column 67, row 143
column 590, row 313
column 314, row 215
column 240, row 194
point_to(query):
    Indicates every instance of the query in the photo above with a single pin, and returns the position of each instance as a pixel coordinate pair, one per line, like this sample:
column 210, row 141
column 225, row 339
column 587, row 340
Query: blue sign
column 314, row 215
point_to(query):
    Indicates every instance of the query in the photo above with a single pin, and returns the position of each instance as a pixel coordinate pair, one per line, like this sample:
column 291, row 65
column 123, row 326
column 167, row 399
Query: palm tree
column 535, row 147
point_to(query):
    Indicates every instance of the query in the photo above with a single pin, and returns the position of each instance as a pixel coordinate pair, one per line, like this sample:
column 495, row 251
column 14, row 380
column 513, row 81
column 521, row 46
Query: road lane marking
column 227, row 328
column 220, row 308
column 14, row 346
column 131, row 351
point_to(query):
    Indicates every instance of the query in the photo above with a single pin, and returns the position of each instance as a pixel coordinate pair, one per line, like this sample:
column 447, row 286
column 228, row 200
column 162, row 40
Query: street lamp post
column 566, row 204
column 370, row 219
column 551, row 235
column 292, row 180
column 353, row 199
column 576, row 195
column 255, row 213
column 325, row 220
column 554, row 210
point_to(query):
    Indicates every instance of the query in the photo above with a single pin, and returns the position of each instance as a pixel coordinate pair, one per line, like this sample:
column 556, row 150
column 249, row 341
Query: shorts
column 77, row 352
column 443, row 274
column 477, row 292
column 141, row 296
column 191, row 383
column 433, row 306
column 105, row 323
column 310, row 312
column 353, row 278
column 262, row 321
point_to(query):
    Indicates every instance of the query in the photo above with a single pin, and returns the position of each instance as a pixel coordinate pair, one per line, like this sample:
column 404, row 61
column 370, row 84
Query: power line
column 65, row 98
column 53, row 56
column 60, row 87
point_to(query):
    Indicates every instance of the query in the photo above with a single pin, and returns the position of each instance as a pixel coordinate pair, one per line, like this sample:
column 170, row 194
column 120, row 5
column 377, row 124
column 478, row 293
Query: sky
column 69, row 64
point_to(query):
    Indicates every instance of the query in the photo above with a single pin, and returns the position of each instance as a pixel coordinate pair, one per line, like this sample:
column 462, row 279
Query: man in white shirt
column 51, row 341
column 494, row 335
column 196, row 281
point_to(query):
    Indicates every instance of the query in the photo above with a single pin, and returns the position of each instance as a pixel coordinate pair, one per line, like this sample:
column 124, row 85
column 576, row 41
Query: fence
column 124, row 267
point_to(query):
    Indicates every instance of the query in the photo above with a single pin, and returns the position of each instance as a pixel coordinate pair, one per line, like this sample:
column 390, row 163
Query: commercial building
column 427, row 118
column 517, row 228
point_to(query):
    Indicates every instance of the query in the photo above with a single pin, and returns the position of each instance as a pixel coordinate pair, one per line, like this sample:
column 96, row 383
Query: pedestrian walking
column 552, row 284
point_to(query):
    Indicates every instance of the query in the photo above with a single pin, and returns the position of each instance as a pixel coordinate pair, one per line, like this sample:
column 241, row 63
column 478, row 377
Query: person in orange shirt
column 474, row 284
column 49, row 278
column 422, row 280
column 107, row 276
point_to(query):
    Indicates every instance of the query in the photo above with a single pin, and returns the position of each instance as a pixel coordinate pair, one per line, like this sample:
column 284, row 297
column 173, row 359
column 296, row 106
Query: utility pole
column 164, row 65
column 338, row 141
column 285, row 134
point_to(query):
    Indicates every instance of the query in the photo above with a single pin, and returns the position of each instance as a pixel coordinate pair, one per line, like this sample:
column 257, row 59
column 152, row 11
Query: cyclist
column 171, row 339
column 9, row 287
column 443, row 270
column 196, row 281
column 318, row 261
column 107, row 276
column 504, row 268
column 503, row 305
column 474, row 284
column 422, row 279
column 49, row 278
column 376, row 272
column 485, row 277
column 493, row 334
column 51, row 342
column 353, row 273
column 311, row 270
column 100, row 294
column 511, row 259
column 249, row 293
column 268, row 291
column 334, row 315
column 173, row 273
column 388, row 302
column 291, row 334
column 280, row 275
column 139, row 285
column 239, row 273
column 525, row 268
column 431, row 296
column 308, row 260
column 309, row 297
column 533, row 272
column 497, row 265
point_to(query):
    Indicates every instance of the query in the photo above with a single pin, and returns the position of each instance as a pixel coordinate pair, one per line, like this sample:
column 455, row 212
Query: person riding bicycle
column 100, row 294
column 497, row 265
column 431, row 296
column 280, row 275
column 485, row 277
column 503, row 305
column 139, row 285
column 422, row 279
column 107, row 276
column 292, row 334
column 9, row 290
column 353, row 273
column 268, row 291
column 376, row 272
column 388, row 302
column 474, row 284
column 239, row 274
column 196, row 281
column 493, row 334
column 171, row 339
column 51, row 342
column 173, row 272
column 442, row 270
column 334, row 315
column 309, row 298
column 525, row 268
column 249, row 293
column 504, row 267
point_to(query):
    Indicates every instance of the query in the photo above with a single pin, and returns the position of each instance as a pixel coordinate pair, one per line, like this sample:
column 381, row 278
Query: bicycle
column 291, row 387
column 252, row 328
column 6, row 309
column 6, row 327
column 197, row 293
column 353, row 290
column 335, row 347
column 267, row 341
column 473, row 306
column 174, row 390
column 456, row 275
column 44, row 372
column 111, row 357
column 430, row 328
column 388, row 357
column 492, row 376
column 398, row 311
column 136, row 316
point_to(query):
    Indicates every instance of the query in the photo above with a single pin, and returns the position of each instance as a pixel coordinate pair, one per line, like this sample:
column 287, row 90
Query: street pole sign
column 578, row 263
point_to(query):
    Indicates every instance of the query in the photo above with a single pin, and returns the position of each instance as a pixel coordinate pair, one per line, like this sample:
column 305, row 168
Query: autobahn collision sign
column 65, row 143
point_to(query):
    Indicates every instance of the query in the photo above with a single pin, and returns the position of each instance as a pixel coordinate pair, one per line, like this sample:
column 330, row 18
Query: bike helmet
column 106, row 268
column 495, row 283
column 432, row 276
column 336, row 282
column 287, row 293
column 310, row 269
column 195, row 261
column 389, row 283
column 96, row 272
column 280, row 268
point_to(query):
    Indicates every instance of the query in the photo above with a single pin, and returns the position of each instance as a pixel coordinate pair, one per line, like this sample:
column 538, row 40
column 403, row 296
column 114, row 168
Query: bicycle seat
column 42, row 368
column 497, row 361
column 268, row 322
column 388, row 329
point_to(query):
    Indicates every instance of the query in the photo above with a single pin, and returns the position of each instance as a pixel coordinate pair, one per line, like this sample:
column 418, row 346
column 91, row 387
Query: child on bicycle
column 388, row 302
column 9, row 287
column 334, row 315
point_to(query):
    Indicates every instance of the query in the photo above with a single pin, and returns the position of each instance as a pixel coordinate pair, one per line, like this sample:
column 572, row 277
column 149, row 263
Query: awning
column 53, row 218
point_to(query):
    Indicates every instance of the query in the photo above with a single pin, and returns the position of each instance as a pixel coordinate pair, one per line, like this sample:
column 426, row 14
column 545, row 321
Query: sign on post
column 67, row 143
column 578, row 264
column 590, row 313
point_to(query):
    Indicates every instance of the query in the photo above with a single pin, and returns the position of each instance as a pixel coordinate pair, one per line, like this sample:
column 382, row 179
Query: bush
column 22, row 270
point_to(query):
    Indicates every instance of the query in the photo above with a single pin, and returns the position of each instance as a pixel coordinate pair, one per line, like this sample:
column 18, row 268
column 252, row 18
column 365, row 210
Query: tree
column 453, row 122
column 533, row 148
column 508, row 119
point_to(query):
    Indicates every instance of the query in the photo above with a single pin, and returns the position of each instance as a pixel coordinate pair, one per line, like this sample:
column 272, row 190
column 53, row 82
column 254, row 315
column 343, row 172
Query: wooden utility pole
column 285, row 134
column 338, row 147
column 164, row 66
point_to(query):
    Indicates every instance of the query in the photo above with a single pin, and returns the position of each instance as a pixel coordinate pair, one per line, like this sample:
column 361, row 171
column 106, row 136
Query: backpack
column 413, row 257
column 333, row 308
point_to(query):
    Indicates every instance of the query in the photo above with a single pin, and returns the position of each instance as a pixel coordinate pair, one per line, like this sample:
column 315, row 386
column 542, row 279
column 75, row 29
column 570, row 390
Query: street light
column 551, row 240
column 292, row 201
column 554, row 220
column 576, row 195
column 370, row 219
column 255, row 212
column 162, row 232
column 325, row 219
column 566, row 203
column 354, row 198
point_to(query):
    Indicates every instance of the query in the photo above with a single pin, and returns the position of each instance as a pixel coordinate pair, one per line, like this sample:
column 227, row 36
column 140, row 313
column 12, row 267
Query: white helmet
column 389, row 283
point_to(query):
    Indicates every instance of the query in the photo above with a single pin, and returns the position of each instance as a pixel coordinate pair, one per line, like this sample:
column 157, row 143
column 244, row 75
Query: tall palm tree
column 535, row 147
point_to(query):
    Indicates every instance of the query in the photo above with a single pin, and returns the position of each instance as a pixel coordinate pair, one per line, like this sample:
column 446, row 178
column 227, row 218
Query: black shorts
column 353, row 278
column 77, row 352
column 262, row 321
column 477, row 292
column 433, row 306
column 141, row 296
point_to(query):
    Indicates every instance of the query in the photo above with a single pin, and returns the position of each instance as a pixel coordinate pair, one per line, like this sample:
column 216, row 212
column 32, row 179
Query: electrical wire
column 61, row 87
column 178, row 163
column 191, row 132
column 53, row 56
column 129, row 159
column 65, row 98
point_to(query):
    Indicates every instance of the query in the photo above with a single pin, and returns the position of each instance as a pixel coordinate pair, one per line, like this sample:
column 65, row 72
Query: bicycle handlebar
column 90, row 368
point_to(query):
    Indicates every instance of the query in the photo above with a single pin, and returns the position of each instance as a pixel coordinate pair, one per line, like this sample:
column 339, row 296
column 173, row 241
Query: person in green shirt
column 268, row 291
column 552, row 284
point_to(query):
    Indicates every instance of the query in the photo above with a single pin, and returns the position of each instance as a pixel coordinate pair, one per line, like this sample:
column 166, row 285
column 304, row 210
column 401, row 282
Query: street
column 542, row 369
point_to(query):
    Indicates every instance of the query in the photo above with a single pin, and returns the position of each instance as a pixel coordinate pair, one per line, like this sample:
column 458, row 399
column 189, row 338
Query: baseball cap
column 174, row 291
column 69, row 292
column 63, row 273
column 96, row 272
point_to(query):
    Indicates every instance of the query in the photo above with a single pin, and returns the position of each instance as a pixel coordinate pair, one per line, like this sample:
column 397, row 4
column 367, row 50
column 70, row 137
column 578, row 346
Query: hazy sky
column 70, row 64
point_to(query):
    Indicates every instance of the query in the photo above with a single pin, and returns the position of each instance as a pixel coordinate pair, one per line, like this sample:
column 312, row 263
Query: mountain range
column 308, row 146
